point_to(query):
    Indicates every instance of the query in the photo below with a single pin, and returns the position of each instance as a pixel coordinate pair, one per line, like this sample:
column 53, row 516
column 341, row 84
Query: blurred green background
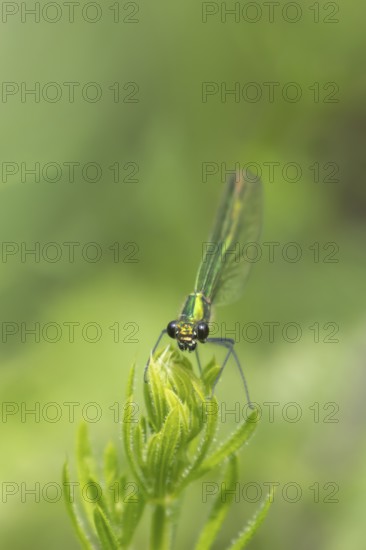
column 168, row 51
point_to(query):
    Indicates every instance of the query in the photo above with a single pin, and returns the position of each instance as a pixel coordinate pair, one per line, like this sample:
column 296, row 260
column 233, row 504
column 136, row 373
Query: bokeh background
column 159, row 210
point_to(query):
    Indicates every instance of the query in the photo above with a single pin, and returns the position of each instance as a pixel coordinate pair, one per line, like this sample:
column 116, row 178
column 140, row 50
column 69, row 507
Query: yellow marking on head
column 186, row 329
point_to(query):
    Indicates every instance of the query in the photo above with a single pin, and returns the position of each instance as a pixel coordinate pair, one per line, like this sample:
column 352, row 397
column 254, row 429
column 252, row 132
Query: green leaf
column 111, row 476
column 152, row 461
column 128, row 439
column 155, row 400
column 116, row 493
column 131, row 515
column 191, row 394
column 245, row 536
column 170, row 439
column 220, row 508
column 231, row 445
column 86, row 468
column 130, row 454
column 204, row 445
column 174, row 402
column 209, row 374
column 138, row 441
column 210, row 420
column 72, row 511
column 107, row 538
column 181, row 380
column 110, row 464
column 100, row 498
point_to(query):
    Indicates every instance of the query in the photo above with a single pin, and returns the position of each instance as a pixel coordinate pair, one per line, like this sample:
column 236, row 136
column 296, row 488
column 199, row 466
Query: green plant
column 167, row 449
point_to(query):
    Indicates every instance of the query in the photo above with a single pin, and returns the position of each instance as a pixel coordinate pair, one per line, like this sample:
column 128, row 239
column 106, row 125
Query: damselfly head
column 187, row 333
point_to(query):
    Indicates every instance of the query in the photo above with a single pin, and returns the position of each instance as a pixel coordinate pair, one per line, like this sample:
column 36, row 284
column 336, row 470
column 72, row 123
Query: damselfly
column 224, row 268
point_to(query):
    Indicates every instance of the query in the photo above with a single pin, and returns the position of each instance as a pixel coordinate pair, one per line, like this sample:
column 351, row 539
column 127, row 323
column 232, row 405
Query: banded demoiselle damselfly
column 224, row 268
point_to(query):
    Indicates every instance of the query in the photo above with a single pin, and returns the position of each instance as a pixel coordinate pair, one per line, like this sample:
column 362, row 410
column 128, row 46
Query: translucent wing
column 226, row 260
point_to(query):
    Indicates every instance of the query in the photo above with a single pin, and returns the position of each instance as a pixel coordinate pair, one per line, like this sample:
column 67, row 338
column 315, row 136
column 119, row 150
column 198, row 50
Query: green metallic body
column 224, row 268
column 196, row 308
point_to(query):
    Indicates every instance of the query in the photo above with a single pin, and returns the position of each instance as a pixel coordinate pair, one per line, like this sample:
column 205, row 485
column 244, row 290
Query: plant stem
column 160, row 529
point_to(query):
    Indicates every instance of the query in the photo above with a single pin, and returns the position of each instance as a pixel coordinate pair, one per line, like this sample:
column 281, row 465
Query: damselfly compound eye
column 171, row 329
column 202, row 331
